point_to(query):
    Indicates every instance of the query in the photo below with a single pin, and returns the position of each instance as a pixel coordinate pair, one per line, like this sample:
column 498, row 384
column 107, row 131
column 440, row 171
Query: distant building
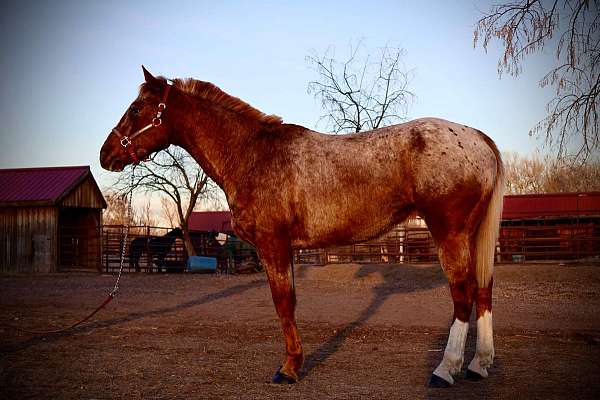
column 551, row 206
column 49, row 219
column 210, row 221
column 550, row 226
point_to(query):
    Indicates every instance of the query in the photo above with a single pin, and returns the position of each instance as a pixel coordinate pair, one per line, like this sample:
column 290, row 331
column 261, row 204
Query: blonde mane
column 208, row 91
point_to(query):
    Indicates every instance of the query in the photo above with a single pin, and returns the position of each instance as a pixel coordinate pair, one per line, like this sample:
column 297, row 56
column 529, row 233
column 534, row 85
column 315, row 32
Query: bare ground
column 368, row 332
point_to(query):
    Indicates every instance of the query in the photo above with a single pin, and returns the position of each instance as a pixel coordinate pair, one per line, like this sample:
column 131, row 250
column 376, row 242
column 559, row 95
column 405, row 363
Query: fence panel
column 166, row 257
column 404, row 244
column 233, row 255
column 516, row 244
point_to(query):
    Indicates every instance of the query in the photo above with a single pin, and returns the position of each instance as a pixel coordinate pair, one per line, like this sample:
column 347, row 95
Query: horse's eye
column 135, row 110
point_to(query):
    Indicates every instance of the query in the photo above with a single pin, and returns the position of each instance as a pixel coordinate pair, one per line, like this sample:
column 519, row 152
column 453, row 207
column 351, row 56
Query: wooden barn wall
column 28, row 236
column 86, row 194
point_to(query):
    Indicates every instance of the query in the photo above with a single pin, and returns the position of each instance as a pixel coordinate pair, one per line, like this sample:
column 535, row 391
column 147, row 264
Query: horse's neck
column 218, row 140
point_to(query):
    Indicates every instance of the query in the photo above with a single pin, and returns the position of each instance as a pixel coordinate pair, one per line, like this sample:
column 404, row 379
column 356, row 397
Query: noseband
column 127, row 141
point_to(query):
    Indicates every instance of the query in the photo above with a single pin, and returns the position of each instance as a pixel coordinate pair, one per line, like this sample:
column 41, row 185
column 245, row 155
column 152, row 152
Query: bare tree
column 359, row 93
column 524, row 175
column 564, row 177
column 145, row 217
column 116, row 210
column 169, row 211
column 534, row 174
column 527, row 26
column 174, row 174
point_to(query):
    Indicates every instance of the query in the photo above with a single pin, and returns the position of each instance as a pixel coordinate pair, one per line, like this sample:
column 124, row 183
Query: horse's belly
column 338, row 225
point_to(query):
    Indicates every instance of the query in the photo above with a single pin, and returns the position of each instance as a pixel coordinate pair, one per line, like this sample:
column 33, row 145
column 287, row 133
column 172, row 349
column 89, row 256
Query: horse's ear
column 150, row 79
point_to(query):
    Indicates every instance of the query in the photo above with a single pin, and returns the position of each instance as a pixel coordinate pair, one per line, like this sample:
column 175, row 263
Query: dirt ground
column 369, row 332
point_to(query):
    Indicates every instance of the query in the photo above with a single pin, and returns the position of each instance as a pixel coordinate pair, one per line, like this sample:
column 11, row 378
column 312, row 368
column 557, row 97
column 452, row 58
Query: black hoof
column 282, row 379
column 437, row 382
column 473, row 376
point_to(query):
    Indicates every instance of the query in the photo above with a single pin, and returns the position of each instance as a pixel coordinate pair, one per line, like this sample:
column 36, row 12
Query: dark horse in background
column 156, row 249
column 290, row 188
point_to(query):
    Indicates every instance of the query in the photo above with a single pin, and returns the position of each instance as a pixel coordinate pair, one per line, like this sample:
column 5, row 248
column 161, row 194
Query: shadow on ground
column 207, row 298
column 396, row 280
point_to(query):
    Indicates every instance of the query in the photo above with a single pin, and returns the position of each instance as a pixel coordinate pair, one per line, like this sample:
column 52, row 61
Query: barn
column 550, row 226
column 50, row 219
column 210, row 221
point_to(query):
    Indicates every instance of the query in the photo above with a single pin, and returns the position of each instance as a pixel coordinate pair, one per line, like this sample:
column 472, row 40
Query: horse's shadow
column 405, row 279
column 133, row 316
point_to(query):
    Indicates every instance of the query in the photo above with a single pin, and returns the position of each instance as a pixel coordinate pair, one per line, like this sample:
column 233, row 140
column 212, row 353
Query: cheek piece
column 127, row 141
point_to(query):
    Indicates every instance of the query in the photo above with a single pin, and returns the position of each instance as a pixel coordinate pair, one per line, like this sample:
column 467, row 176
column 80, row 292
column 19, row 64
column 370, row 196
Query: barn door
column 42, row 252
column 79, row 242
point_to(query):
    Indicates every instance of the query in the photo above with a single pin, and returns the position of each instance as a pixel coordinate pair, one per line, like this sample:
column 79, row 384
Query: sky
column 71, row 68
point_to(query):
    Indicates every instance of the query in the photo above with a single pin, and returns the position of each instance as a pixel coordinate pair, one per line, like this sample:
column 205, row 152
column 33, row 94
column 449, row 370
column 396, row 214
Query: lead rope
column 113, row 293
column 115, row 289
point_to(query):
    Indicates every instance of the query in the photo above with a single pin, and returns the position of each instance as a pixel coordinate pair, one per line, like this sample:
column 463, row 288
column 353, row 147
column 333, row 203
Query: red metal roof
column 38, row 184
column 210, row 221
column 551, row 205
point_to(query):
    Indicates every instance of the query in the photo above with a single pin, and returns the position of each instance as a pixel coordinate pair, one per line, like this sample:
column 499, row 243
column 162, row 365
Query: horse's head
column 141, row 131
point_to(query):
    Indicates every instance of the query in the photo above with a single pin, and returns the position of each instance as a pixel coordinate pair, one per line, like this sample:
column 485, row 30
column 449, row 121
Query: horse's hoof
column 282, row 379
column 437, row 382
column 473, row 376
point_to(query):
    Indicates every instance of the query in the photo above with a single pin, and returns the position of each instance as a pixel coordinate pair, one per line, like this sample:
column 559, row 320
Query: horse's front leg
column 279, row 274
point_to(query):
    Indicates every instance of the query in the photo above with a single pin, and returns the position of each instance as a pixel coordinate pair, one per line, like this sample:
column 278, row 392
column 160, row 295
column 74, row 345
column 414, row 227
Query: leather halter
column 127, row 141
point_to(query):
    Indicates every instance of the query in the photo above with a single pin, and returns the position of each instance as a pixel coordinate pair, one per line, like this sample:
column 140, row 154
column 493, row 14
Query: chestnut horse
column 292, row 188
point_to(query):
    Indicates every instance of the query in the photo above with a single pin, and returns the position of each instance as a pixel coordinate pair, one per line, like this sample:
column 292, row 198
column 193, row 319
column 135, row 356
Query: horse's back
column 427, row 156
column 333, row 189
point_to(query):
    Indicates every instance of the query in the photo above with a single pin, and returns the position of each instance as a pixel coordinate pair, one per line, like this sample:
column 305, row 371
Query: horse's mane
column 208, row 91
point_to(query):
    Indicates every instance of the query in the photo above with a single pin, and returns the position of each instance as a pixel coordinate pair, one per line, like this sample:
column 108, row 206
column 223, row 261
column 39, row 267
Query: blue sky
column 70, row 68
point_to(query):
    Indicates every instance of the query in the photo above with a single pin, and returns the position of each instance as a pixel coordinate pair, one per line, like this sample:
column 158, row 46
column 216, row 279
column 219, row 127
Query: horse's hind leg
column 456, row 256
column 277, row 266
column 134, row 261
column 484, row 353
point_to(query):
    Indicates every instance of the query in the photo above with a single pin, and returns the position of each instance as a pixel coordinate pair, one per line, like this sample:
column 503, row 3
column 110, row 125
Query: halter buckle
column 125, row 141
column 156, row 121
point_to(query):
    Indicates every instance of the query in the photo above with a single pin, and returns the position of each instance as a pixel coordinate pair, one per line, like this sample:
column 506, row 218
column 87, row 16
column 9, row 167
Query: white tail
column 488, row 231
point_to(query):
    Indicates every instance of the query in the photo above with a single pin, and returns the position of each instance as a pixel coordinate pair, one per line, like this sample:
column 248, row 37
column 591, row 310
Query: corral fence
column 519, row 242
column 150, row 255
column 571, row 240
column 112, row 242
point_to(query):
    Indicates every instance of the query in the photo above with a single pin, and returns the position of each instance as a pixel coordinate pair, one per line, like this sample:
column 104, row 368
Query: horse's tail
column 487, row 233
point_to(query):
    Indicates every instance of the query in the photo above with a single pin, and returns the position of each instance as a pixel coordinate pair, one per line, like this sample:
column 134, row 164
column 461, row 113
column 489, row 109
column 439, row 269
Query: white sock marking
column 453, row 355
column 484, row 355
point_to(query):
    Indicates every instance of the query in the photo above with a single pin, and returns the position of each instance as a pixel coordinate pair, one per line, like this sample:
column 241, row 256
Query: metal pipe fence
column 516, row 244
column 100, row 249
column 233, row 255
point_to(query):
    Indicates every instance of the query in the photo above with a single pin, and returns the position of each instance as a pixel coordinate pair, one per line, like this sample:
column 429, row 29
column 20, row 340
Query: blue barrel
column 201, row 264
